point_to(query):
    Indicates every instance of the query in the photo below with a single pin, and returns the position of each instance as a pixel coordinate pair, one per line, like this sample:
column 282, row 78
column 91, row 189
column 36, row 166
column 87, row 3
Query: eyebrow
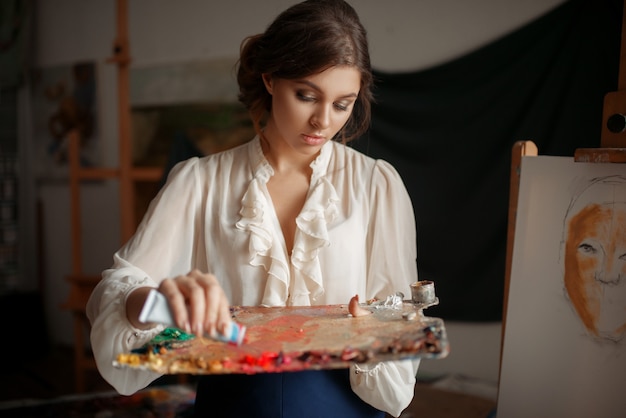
column 316, row 87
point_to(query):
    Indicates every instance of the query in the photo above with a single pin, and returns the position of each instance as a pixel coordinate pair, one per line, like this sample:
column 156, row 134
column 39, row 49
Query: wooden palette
column 284, row 339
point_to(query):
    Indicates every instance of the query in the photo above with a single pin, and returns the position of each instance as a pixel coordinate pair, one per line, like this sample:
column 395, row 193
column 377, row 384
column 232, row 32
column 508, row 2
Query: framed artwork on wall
column 193, row 101
column 63, row 98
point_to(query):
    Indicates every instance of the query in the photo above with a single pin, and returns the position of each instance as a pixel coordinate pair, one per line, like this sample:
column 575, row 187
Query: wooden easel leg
column 519, row 150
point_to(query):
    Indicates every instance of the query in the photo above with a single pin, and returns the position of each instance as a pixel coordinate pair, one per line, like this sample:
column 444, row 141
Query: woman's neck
column 283, row 158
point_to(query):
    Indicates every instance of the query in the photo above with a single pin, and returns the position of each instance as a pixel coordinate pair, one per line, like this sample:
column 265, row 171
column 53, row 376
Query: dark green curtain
column 449, row 131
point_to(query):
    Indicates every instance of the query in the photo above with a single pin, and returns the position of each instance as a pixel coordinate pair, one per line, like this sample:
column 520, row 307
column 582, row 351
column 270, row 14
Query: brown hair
column 306, row 39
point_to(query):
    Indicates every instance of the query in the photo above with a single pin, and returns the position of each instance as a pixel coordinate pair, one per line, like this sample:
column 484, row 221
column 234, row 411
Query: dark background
column 449, row 131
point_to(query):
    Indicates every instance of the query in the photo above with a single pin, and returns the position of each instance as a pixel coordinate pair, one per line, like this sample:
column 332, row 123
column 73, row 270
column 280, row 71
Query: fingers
column 177, row 301
column 207, row 309
column 197, row 301
column 210, row 307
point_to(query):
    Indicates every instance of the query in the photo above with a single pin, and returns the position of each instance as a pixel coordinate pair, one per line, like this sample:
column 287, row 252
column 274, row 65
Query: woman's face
column 595, row 268
column 308, row 112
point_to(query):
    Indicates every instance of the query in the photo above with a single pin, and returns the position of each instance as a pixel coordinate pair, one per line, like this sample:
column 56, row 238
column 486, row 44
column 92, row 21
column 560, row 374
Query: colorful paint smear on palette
column 299, row 338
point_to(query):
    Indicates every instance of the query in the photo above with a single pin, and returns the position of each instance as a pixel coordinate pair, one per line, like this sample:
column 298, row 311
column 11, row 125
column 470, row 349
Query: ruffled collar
column 266, row 249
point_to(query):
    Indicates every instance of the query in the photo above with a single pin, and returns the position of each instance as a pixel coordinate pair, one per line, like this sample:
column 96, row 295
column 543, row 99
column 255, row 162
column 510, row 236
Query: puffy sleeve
column 387, row 386
column 111, row 333
column 392, row 235
column 392, row 255
column 160, row 248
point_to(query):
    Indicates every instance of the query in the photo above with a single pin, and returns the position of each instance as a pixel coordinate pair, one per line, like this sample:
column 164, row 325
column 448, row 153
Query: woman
column 293, row 217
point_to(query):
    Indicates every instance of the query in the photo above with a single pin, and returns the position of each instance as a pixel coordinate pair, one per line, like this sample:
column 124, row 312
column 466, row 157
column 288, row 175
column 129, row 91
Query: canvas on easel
column 564, row 347
column 564, row 320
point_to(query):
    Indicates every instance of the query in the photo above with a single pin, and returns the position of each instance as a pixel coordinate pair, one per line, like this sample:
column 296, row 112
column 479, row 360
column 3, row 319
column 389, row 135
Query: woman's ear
column 267, row 80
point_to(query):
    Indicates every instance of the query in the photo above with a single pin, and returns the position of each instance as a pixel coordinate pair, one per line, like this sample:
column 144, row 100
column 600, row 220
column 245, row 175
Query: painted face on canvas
column 308, row 112
column 595, row 268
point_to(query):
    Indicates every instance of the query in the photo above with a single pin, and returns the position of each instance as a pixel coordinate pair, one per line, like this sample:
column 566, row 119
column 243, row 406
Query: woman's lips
column 313, row 139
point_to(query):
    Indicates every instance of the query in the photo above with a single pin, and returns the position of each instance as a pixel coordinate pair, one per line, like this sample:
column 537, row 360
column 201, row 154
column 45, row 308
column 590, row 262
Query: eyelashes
column 305, row 98
column 343, row 107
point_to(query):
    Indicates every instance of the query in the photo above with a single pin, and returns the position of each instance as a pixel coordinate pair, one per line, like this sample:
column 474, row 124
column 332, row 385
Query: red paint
column 286, row 329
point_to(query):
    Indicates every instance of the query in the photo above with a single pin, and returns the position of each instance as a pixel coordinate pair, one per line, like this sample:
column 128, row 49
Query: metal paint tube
column 157, row 310
column 423, row 291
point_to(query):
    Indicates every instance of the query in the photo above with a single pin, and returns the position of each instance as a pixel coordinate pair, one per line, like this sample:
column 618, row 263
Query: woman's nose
column 321, row 117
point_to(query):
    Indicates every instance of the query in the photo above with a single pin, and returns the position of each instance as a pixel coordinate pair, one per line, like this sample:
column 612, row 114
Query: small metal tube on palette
column 157, row 310
column 423, row 292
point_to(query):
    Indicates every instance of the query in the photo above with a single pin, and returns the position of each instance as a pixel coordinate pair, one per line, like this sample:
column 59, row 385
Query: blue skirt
column 308, row 394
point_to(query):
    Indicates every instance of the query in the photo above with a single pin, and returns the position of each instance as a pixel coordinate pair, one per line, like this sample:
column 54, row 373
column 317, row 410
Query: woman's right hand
column 198, row 302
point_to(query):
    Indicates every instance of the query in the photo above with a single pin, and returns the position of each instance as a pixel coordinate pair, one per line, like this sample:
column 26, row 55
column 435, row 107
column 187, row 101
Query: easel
column 81, row 284
column 612, row 150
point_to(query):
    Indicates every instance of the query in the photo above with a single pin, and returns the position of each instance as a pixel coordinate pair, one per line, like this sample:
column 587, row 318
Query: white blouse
column 355, row 235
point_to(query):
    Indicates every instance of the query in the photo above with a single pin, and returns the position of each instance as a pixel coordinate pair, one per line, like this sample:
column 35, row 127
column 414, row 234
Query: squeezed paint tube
column 157, row 310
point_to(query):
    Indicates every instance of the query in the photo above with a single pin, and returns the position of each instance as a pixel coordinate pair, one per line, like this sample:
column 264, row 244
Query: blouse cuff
column 387, row 386
column 366, row 368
